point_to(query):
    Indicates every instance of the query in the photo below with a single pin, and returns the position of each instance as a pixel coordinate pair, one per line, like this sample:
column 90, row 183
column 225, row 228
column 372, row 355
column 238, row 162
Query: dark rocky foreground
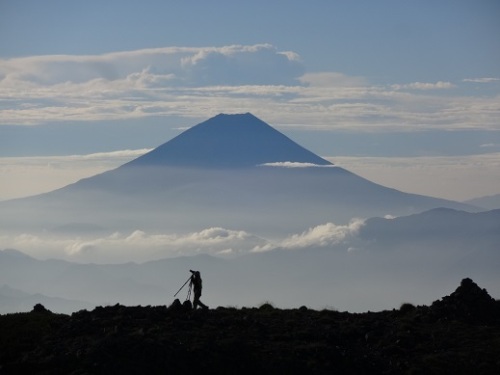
column 459, row 334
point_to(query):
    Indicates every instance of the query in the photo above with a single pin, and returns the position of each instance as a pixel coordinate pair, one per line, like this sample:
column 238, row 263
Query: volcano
column 228, row 141
column 232, row 171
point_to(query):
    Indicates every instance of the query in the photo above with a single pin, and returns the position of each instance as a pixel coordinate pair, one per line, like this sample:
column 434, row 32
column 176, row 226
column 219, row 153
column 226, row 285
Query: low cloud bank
column 319, row 236
column 137, row 246
column 140, row 246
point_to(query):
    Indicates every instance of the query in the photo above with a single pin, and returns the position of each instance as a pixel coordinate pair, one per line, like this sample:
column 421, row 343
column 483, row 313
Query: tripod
column 189, row 290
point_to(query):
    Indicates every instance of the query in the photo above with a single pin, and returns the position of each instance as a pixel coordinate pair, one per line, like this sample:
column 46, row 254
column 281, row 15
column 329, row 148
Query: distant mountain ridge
column 228, row 141
column 462, row 229
column 13, row 300
column 489, row 202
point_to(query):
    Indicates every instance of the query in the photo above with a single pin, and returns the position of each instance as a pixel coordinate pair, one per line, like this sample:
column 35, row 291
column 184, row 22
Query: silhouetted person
column 196, row 284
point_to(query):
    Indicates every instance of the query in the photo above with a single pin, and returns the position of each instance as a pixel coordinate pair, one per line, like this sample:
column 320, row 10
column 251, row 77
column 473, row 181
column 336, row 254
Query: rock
column 468, row 303
column 39, row 308
column 176, row 306
column 187, row 305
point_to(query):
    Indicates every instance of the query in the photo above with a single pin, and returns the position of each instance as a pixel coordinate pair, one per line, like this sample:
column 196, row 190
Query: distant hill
column 440, row 240
column 466, row 229
column 14, row 300
column 490, row 202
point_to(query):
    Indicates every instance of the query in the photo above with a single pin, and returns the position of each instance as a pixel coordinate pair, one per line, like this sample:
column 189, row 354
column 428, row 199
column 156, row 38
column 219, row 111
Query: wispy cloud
column 293, row 164
column 327, row 234
column 158, row 67
column 440, row 85
column 200, row 82
column 482, row 80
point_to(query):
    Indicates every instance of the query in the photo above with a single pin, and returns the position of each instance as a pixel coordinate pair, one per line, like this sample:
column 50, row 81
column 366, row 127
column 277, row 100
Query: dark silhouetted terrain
column 458, row 334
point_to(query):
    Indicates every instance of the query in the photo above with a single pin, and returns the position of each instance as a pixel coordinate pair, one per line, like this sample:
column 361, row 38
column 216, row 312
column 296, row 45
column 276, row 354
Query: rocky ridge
column 458, row 334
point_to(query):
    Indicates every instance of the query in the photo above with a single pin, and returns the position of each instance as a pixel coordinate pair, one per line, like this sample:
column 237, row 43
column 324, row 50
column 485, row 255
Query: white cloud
column 115, row 156
column 322, row 235
column 140, row 246
column 482, row 80
column 240, row 65
column 158, row 67
column 134, row 84
column 293, row 164
column 201, row 82
column 136, row 246
column 440, row 85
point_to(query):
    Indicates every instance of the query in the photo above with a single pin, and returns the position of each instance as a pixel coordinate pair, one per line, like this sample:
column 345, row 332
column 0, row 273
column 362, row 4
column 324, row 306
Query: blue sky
column 388, row 89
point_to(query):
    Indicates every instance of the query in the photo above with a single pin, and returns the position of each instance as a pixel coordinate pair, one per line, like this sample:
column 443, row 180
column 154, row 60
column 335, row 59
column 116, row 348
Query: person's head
column 195, row 273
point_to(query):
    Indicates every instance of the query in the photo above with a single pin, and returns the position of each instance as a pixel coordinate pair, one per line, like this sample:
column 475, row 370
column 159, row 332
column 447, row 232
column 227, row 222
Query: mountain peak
column 228, row 140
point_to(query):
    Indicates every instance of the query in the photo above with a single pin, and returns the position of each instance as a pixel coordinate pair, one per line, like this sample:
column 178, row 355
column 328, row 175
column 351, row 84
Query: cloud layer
column 327, row 234
column 200, row 82
column 140, row 246
column 294, row 164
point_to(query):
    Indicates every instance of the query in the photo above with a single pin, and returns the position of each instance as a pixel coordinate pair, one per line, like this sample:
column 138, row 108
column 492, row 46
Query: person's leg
column 196, row 300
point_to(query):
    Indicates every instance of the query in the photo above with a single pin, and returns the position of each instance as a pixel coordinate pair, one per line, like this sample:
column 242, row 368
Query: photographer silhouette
column 196, row 284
